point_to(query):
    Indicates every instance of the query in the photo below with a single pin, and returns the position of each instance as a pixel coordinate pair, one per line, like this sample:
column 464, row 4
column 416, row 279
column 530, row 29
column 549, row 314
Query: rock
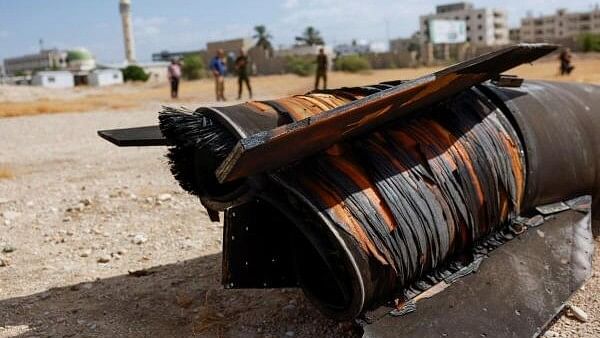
column 8, row 249
column 104, row 259
column 164, row 197
column 577, row 313
column 4, row 200
column 551, row 333
column 289, row 307
column 85, row 253
column 290, row 333
column 4, row 262
column 121, row 252
column 139, row 239
column 10, row 215
column 86, row 202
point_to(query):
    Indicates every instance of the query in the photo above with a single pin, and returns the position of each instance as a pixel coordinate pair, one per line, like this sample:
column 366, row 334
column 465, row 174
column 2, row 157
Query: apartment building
column 485, row 26
column 559, row 26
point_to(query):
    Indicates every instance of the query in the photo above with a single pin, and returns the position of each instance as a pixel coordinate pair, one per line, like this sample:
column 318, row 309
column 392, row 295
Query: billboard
column 447, row 31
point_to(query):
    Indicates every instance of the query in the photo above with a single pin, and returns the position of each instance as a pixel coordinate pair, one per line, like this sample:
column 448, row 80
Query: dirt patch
column 6, row 173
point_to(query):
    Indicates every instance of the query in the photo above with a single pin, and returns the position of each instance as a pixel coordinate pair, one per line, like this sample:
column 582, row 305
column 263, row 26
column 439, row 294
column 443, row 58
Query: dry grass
column 6, row 173
column 196, row 93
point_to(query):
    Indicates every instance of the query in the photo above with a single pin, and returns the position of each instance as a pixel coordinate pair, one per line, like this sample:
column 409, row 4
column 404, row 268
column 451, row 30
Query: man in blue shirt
column 217, row 66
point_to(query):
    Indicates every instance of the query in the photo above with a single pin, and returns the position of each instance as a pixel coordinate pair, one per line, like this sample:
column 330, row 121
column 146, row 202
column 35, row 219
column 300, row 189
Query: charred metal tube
column 369, row 219
column 559, row 125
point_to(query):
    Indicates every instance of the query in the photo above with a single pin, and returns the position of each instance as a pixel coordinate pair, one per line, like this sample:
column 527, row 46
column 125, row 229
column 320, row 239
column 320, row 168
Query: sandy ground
column 78, row 215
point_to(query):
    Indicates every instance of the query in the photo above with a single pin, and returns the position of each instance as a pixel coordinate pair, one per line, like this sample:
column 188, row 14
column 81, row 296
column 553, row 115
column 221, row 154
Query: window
column 467, row 17
column 115, row 76
column 51, row 79
column 480, row 38
column 468, row 28
column 478, row 16
column 479, row 26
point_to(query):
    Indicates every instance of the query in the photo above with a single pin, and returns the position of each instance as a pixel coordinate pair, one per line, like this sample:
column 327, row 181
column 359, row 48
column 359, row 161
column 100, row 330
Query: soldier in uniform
column 321, row 69
column 241, row 66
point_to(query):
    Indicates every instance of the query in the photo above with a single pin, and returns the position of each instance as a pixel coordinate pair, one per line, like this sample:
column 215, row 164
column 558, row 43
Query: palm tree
column 263, row 38
column 311, row 37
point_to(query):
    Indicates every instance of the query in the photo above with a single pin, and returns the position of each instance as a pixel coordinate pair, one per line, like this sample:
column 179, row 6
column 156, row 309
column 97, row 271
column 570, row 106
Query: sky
column 177, row 25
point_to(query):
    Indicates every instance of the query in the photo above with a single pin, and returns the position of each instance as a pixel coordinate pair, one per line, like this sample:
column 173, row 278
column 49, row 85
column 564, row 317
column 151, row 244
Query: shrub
column 352, row 63
column 300, row 65
column 193, row 67
column 589, row 42
column 135, row 73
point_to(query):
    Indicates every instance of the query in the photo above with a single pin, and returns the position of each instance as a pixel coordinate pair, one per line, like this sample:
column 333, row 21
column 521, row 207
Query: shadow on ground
column 175, row 300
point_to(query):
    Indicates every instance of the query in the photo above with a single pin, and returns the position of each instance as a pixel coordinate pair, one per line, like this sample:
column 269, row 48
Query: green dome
column 79, row 54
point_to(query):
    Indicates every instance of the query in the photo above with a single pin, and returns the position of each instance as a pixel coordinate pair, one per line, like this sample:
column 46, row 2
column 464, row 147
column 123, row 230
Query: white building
column 559, row 26
column 105, row 77
column 485, row 26
column 53, row 79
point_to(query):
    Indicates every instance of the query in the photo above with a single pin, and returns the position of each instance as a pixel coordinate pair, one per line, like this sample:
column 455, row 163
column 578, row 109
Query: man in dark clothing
column 174, row 73
column 565, row 62
column 321, row 69
column 241, row 66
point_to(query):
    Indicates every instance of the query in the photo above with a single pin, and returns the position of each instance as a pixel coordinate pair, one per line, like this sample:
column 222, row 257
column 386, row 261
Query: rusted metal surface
column 294, row 141
column 412, row 195
column 516, row 292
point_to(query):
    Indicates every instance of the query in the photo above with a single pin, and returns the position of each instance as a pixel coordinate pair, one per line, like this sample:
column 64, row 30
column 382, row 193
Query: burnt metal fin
column 274, row 148
column 135, row 137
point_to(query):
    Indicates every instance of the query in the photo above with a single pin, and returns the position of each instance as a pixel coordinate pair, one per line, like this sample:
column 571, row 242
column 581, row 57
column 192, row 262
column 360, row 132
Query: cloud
column 148, row 27
column 344, row 20
column 289, row 4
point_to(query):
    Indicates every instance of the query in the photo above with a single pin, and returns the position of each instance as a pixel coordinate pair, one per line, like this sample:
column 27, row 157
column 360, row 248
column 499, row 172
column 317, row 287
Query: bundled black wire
column 199, row 146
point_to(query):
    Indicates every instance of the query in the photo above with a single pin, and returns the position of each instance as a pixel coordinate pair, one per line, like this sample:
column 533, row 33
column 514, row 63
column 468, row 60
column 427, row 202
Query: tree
column 193, row 67
column 352, row 63
column 134, row 73
column 310, row 37
column 263, row 38
column 589, row 42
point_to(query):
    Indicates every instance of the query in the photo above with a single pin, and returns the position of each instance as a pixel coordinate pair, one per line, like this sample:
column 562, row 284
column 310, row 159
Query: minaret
column 125, row 10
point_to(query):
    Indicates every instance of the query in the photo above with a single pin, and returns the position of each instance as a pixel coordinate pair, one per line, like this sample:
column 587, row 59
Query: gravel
column 109, row 245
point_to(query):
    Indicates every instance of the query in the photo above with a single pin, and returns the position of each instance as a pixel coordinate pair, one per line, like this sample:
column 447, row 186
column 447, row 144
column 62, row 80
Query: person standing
column 241, row 66
column 174, row 74
column 322, row 64
column 217, row 66
column 565, row 62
